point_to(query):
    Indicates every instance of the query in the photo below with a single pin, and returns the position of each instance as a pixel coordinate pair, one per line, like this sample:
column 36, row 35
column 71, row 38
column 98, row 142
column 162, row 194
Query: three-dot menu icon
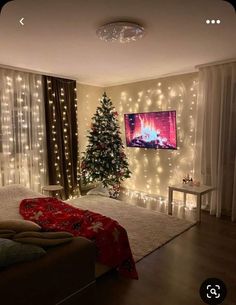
column 213, row 21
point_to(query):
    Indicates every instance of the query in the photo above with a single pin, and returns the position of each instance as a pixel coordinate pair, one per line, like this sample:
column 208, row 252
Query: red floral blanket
column 111, row 239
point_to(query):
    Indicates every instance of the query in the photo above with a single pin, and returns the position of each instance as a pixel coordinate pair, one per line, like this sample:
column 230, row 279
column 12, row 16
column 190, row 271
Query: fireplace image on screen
column 151, row 130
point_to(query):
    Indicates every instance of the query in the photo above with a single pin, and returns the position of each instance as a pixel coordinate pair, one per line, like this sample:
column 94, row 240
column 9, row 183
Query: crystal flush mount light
column 120, row 31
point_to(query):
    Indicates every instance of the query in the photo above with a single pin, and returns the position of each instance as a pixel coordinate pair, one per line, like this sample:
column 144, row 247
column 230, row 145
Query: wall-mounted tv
column 151, row 130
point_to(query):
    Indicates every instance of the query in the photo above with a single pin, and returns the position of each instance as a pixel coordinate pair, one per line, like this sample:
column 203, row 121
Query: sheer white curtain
column 22, row 129
column 217, row 130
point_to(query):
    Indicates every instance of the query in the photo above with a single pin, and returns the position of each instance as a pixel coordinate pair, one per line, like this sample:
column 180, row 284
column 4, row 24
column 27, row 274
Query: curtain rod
column 215, row 63
column 35, row 72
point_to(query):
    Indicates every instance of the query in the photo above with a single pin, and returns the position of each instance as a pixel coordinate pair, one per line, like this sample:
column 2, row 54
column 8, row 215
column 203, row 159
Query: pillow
column 43, row 242
column 7, row 233
column 99, row 190
column 19, row 225
column 50, row 235
column 12, row 252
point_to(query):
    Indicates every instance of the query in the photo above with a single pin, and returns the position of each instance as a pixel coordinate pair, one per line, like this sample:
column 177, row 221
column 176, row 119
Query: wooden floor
column 172, row 275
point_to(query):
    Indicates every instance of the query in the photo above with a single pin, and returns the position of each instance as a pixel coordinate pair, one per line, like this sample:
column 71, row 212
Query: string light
column 18, row 99
column 152, row 165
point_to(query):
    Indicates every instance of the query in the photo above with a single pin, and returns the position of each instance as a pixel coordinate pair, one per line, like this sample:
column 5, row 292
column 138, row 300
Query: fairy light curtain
column 62, row 141
column 22, row 130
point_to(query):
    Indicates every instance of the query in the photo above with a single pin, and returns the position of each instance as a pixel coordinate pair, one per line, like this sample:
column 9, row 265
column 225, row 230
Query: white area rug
column 147, row 230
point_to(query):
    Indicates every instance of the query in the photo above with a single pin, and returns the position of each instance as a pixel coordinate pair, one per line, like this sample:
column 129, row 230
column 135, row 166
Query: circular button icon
column 213, row 291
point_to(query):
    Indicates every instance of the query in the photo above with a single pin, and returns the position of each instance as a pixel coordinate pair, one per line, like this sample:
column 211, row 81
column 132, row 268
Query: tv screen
column 151, row 130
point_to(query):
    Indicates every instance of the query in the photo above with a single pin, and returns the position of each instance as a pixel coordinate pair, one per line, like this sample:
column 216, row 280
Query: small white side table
column 53, row 189
column 186, row 189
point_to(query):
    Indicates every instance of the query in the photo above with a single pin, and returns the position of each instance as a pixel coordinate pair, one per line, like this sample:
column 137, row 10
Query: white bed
column 147, row 230
column 10, row 198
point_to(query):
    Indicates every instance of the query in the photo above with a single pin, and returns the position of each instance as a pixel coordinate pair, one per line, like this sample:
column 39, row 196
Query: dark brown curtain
column 62, row 140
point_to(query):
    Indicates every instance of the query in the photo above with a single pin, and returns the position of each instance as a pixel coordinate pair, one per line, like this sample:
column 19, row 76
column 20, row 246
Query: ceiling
column 59, row 38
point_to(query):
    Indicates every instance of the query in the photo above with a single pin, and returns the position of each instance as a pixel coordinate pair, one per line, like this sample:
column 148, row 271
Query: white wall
column 152, row 170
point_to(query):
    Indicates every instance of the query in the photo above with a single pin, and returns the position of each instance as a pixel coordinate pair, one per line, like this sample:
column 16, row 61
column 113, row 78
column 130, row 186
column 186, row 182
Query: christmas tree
column 104, row 160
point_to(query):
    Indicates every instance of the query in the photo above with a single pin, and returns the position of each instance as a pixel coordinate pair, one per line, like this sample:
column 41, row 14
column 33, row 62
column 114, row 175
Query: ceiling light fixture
column 120, row 31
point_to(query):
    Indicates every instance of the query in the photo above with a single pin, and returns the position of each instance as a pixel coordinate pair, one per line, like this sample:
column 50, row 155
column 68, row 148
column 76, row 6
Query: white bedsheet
column 10, row 198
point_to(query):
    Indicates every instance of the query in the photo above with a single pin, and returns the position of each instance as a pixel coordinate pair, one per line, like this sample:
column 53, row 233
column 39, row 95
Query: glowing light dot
column 172, row 93
column 149, row 102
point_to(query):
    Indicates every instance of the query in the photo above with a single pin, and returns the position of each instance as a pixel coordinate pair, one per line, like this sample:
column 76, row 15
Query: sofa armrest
column 64, row 270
